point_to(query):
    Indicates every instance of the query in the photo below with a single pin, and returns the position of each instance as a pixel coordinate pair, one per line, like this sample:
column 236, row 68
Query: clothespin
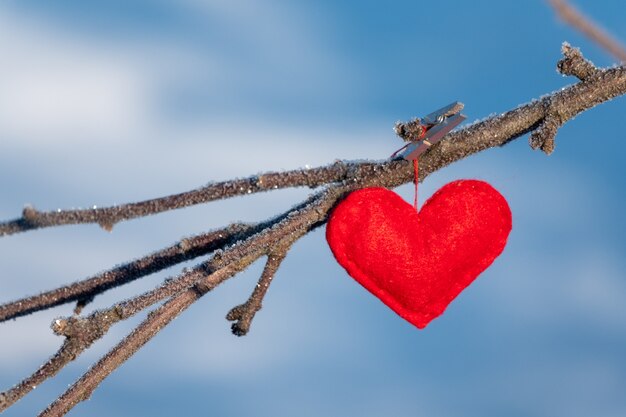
column 424, row 133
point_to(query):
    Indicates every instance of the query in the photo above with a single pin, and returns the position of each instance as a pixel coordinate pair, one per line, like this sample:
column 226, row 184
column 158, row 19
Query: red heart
column 418, row 264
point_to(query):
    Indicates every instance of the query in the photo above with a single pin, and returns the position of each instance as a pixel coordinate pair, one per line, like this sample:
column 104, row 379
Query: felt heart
column 418, row 264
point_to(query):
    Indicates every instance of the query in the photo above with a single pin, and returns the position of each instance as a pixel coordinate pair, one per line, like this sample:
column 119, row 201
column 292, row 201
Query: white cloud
column 58, row 88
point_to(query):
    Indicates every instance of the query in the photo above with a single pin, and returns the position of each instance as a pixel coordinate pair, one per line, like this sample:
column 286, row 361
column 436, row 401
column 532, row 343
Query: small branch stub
column 573, row 63
column 543, row 137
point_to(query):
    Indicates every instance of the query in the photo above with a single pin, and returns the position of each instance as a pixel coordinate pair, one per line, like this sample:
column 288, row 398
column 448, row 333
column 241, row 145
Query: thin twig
column 243, row 314
column 68, row 351
column 188, row 248
column 107, row 217
column 591, row 29
column 80, row 334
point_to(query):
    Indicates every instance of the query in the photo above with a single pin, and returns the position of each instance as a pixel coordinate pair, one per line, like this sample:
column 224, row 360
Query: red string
column 415, row 180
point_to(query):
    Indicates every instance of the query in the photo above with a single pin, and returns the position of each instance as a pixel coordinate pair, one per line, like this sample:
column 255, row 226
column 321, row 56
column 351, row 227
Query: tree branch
column 79, row 334
column 592, row 30
column 186, row 249
column 107, row 217
column 546, row 114
column 560, row 106
column 243, row 314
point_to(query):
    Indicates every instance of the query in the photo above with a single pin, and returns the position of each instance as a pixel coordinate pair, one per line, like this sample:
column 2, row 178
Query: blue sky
column 117, row 101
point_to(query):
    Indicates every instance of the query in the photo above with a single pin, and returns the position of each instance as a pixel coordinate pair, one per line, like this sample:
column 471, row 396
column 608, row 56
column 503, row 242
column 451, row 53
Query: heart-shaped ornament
column 418, row 263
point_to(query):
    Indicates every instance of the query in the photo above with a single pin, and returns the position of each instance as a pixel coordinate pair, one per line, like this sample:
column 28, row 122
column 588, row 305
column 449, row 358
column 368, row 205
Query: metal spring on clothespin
column 424, row 133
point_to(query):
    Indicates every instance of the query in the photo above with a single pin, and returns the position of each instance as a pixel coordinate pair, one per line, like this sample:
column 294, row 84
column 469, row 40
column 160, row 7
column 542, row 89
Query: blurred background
column 110, row 102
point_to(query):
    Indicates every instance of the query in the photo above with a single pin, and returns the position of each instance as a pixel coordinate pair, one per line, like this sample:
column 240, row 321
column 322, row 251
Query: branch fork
column 573, row 63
